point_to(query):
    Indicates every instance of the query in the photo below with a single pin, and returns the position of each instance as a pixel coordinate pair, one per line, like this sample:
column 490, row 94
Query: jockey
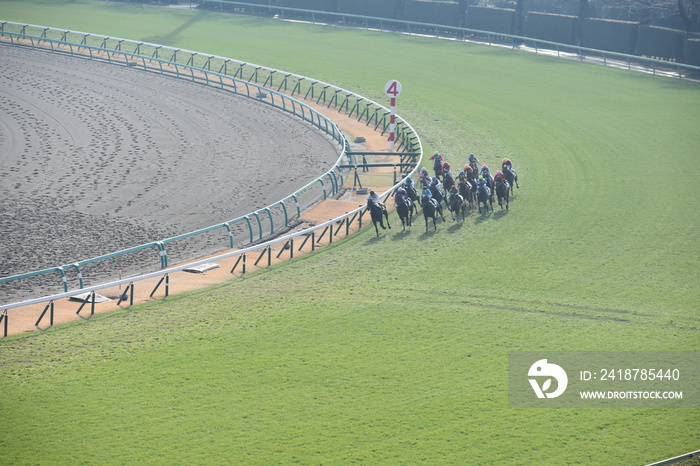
column 506, row 165
column 408, row 182
column 424, row 176
column 445, row 167
column 437, row 163
column 469, row 173
column 500, row 177
column 484, row 172
column 482, row 181
column 374, row 199
column 436, row 182
column 453, row 192
column 473, row 160
column 426, row 193
column 400, row 196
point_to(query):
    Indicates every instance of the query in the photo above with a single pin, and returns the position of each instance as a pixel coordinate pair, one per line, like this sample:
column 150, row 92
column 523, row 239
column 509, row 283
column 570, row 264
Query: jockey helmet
column 505, row 160
column 401, row 191
column 498, row 172
column 481, row 177
column 484, row 166
column 372, row 193
column 435, row 178
column 461, row 173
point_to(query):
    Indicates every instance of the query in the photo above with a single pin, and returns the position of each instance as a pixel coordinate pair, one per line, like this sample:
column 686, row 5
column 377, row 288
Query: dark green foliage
column 605, row 34
column 658, row 42
column 317, row 5
column 383, row 9
column 447, row 13
column 692, row 52
column 490, row 19
column 554, row 28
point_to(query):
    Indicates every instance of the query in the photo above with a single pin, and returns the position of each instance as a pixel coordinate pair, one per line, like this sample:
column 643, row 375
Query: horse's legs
column 386, row 215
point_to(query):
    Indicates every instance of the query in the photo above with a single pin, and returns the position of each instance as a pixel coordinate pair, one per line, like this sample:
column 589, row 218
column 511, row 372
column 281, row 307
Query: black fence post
column 43, row 313
column 4, row 318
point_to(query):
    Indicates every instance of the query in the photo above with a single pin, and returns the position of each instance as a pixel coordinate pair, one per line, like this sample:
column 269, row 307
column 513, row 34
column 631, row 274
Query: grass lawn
column 395, row 349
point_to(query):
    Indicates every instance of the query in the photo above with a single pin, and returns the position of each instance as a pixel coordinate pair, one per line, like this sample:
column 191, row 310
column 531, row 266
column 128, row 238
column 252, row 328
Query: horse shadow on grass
column 375, row 239
column 455, row 227
column 483, row 217
column 399, row 235
column 497, row 215
column 429, row 234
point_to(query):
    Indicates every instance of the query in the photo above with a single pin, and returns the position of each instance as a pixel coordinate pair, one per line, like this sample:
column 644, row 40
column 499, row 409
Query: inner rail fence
column 441, row 31
column 279, row 89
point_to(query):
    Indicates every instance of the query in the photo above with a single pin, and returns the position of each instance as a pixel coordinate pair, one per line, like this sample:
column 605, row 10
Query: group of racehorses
column 473, row 186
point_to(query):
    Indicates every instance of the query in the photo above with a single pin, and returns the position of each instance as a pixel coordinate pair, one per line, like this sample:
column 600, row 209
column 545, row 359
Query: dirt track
column 95, row 158
column 89, row 164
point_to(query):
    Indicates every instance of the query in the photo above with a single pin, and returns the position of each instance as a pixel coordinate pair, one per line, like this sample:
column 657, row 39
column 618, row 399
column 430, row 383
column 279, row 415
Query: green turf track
column 394, row 350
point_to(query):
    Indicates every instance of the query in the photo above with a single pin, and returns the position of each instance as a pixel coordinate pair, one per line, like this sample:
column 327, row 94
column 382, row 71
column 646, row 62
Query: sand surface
column 96, row 158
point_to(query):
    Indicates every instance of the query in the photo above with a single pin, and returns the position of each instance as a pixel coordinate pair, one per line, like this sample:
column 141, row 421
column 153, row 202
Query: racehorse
column 424, row 179
column 511, row 177
column 471, row 176
column 502, row 189
column 405, row 207
column 412, row 193
column 465, row 190
column 475, row 165
column 431, row 207
column 483, row 195
column 457, row 206
column 378, row 214
column 437, row 167
column 448, row 181
column 438, row 194
column 489, row 183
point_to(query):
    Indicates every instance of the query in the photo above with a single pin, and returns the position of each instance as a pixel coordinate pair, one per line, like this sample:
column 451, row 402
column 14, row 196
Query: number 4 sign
column 393, row 90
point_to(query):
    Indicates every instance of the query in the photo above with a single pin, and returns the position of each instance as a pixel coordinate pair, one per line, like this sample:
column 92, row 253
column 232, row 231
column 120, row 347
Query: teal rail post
column 163, row 254
column 323, row 185
column 296, row 202
column 257, row 218
column 64, row 278
column 272, row 224
column 250, row 227
column 230, row 234
column 286, row 216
